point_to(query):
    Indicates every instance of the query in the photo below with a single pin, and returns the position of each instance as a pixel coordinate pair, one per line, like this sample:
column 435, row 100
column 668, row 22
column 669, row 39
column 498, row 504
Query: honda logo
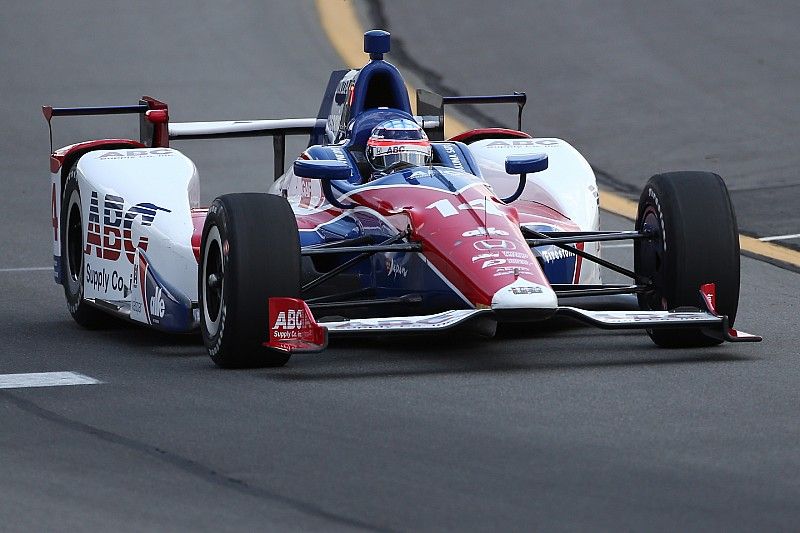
column 494, row 244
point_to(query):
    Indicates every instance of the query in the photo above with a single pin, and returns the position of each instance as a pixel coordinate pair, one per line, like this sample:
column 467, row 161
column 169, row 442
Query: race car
column 381, row 226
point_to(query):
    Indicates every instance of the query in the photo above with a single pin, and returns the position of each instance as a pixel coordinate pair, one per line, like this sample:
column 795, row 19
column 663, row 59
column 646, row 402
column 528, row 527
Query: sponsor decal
column 305, row 187
column 292, row 327
column 511, row 271
column 494, row 244
column 516, row 255
column 624, row 317
column 488, row 255
column 157, row 305
column 483, row 232
column 709, row 292
column 338, row 153
column 126, row 154
column 136, row 290
column 340, row 109
column 290, row 324
column 511, row 261
column 441, row 320
column 394, row 268
column 453, row 157
column 307, row 194
column 113, row 233
column 555, row 254
column 388, row 150
column 493, row 262
column 526, row 290
column 522, row 142
column 154, row 301
column 102, row 280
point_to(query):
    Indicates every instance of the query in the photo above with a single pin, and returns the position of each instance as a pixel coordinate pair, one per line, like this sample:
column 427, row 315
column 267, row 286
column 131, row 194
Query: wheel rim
column 651, row 258
column 74, row 242
column 213, row 281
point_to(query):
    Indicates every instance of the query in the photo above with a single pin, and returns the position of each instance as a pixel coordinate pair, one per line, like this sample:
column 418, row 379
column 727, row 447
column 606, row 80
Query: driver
column 395, row 144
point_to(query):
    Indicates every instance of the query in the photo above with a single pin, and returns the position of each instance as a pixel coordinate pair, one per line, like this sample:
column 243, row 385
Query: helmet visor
column 385, row 155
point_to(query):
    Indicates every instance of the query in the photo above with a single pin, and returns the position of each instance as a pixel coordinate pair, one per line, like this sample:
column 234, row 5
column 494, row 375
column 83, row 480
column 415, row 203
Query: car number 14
column 447, row 209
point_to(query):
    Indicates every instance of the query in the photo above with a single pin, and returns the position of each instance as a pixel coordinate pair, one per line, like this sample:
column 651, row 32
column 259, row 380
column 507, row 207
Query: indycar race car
column 381, row 226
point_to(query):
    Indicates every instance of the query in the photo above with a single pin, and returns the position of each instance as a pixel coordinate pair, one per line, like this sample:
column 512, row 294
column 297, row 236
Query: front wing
column 309, row 336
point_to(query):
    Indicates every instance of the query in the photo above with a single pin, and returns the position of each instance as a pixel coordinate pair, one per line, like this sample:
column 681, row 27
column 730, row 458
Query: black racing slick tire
column 250, row 252
column 72, row 258
column 695, row 241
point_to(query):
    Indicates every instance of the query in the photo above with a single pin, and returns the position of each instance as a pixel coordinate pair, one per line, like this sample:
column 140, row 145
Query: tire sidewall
column 73, row 289
column 216, row 221
column 260, row 257
column 696, row 239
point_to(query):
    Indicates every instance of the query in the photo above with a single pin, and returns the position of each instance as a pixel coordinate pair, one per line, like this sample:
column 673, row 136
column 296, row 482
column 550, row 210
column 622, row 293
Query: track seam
column 340, row 23
column 183, row 464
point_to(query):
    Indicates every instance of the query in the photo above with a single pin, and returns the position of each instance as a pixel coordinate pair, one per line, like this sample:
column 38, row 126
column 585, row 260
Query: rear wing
column 278, row 129
column 153, row 118
column 432, row 104
column 156, row 131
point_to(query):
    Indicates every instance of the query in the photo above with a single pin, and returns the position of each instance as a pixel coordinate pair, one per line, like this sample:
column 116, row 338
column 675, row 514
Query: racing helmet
column 398, row 142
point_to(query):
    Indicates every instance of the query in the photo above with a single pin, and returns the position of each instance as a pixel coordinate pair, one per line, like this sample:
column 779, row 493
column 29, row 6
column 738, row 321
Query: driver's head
column 397, row 143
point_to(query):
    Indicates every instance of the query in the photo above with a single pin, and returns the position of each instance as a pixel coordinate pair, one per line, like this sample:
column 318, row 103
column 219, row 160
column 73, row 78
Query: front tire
column 250, row 252
column 695, row 241
column 72, row 258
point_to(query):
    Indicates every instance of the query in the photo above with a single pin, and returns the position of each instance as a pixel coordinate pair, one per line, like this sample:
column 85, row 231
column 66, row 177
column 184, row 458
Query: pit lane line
column 25, row 269
column 340, row 23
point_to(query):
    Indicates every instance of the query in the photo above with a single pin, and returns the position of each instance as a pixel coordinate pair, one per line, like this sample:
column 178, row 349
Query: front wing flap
column 406, row 324
column 712, row 324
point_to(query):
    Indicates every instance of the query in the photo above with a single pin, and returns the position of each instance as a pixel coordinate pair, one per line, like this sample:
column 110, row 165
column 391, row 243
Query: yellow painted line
column 339, row 20
column 770, row 250
column 619, row 205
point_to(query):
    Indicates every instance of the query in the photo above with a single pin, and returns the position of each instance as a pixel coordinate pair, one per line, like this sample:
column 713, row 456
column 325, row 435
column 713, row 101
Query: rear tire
column 250, row 252
column 72, row 263
column 695, row 241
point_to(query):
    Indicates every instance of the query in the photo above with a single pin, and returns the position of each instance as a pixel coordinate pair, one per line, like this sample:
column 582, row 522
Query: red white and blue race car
column 379, row 227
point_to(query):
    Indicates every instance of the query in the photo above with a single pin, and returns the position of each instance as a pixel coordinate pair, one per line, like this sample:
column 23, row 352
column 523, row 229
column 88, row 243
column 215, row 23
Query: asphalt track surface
column 639, row 87
column 557, row 428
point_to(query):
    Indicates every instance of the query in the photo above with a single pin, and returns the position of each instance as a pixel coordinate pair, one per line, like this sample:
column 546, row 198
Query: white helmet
column 398, row 142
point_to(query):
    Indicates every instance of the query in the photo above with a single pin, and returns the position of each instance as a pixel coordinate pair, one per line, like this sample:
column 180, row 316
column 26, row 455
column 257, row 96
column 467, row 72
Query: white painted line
column 780, row 237
column 25, row 269
column 45, row 379
column 623, row 245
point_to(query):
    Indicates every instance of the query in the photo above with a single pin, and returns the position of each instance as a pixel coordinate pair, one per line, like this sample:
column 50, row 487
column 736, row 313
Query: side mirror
column 526, row 163
column 325, row 171
column 321, row 169
column 523, row 164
